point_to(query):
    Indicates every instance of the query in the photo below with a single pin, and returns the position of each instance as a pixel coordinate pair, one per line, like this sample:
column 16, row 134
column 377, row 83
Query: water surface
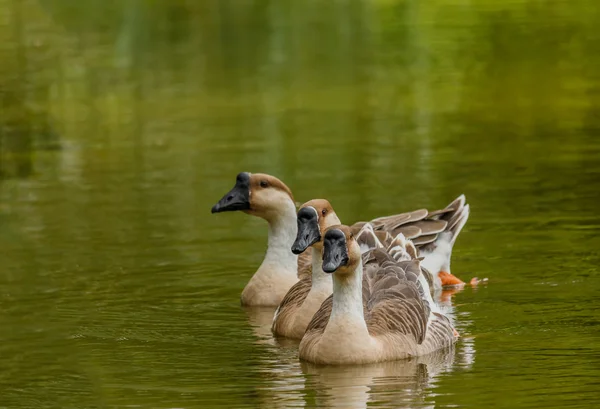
column 122, row 123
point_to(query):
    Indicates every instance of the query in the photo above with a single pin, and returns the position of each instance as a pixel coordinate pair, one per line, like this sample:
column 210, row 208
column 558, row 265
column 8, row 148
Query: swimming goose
column 306, row 296
column 382, row 316
column 269, row 198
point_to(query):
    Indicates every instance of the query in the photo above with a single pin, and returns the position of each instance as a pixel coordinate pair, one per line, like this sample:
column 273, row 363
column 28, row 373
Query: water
column 122, row 123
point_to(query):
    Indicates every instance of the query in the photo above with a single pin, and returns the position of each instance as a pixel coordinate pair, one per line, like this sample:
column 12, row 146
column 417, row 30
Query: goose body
column 302, row 302
column 379, row 310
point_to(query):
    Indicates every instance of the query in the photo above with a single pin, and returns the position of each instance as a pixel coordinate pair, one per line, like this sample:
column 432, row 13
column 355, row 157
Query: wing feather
column 290, row 303
column 305, row 264
column 421, row 226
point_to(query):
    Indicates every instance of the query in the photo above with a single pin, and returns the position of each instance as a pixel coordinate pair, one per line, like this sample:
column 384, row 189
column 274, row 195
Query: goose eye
column 264, row 183
column 324, row 211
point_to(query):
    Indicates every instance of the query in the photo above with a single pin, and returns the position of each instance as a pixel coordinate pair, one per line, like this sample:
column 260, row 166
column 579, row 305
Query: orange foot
column 449, row 280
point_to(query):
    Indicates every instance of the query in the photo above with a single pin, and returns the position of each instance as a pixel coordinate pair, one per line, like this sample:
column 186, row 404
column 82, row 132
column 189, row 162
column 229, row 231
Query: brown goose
column 382, row 316
column 269, row 198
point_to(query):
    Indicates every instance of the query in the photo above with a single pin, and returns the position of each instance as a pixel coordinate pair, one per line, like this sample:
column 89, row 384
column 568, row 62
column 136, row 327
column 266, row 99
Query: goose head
column 341, row 252
column 314, row 217
column 257, row 194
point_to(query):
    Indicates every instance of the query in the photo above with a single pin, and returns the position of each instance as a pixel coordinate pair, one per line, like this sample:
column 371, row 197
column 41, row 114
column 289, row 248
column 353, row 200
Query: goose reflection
column 282, row 382
column 394, row 384
column 260, row 320
column 288, row 382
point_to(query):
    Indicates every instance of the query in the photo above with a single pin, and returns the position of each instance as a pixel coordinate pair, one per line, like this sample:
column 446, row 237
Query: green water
column 122, row 123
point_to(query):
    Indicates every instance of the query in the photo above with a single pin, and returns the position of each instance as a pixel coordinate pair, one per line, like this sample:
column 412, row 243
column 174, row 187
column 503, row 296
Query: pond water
column 122, row 123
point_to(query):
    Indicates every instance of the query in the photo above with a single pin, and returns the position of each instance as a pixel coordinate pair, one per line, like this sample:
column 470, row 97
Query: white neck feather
column 347, row 298
column 320, row 279
column 282, row 234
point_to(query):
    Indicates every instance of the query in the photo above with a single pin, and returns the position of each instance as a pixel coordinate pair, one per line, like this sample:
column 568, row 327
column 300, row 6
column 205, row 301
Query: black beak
column 335, row 253
column 308, row 230
column 237, row 198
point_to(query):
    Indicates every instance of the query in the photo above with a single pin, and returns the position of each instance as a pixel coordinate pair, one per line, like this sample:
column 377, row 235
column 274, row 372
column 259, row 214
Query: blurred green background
column 123, row 121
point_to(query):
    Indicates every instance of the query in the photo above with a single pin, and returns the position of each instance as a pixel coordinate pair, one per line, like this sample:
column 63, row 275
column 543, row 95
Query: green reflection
column 117, row 286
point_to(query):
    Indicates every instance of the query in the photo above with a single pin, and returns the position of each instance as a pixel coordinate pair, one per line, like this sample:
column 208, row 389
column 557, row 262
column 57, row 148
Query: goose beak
column 335, row 253
column 237, row 198
column 308, row 230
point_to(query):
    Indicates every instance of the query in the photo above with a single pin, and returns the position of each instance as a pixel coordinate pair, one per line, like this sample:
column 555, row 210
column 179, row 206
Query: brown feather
column 434, row 215
column 355, row 228
column 423, row 227
column 394, row 221
column 431, row 226
column 392, row 299
column 291, row 302
column 384, row 237
column 368, row 238
column 423, row 240
column 305, row 264
column 410, row 231
column 391, row 222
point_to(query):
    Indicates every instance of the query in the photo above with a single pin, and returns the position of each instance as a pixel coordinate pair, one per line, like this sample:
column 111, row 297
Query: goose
column 267, row 197
column 306, row 296
column 379, row 310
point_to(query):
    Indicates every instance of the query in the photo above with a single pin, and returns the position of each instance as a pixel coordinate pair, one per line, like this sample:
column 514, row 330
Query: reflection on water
column 121, row 123
column 408, row 383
